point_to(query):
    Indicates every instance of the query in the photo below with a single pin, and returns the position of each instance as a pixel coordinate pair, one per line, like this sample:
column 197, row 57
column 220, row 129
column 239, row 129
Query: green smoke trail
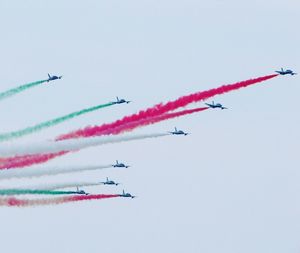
column 39, row 192
column 19, row 89
column 50, row 123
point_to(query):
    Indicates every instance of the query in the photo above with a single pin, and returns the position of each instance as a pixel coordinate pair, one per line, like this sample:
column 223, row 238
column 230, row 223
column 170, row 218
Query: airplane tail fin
column 175, row 129
column 123, row 192
column 49, row 75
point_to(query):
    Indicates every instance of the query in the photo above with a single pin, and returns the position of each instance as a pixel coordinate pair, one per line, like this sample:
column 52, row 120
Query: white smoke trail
column 38, row 172
column 8, row 150
column 55, row 186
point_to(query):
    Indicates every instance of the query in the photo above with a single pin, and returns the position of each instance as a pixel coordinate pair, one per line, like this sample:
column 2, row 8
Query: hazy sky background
column 231, row 186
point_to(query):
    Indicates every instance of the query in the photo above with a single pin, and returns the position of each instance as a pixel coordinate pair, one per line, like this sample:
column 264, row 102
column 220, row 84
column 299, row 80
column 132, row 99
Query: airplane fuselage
column 216, row 106
column 121, row 101
column 119, row 166
column 52, row 78
column 179, row 133
column 126, row 195
column 81, row 193
column 110, row 183
column 285, row 72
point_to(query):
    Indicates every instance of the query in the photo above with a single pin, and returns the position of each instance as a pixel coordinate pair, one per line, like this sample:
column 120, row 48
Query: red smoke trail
column 52, row 201
column 23, row 161
column 149, row 121
column 163, row 108
column 27, row 160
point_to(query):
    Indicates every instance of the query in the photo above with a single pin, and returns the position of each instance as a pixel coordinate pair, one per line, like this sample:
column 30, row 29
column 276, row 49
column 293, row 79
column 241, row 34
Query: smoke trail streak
column 23, row 161
column 19, row 89
column 164, row 108
column 56, row 186
column 39, row 172
column 69, row 145
column 18, row 162
column 52, row 201
column 151, row 120
column 34, row 192
column 50, row 123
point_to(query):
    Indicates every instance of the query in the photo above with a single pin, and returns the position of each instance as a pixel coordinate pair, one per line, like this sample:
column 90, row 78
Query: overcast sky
column 231, row 186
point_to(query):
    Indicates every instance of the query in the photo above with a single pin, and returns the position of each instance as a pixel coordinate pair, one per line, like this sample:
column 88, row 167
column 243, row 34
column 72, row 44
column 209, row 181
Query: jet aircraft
column 120, row 165
column 178, row 132
column 109, row 182
column 285, row 72
column 52, row 78
column 126, row 195
column 218, row 105
column 82, row 192
column 121, row 101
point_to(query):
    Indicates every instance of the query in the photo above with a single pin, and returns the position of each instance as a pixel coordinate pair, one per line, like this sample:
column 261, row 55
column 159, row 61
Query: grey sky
column 231, row 186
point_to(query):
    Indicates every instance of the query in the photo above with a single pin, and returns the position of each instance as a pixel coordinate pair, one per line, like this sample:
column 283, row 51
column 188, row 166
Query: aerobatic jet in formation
column 285, row 72
column 109, row 182
column 178, row 132
column 126, row 195
column 82, row 192
column 120, row 165
column 52, row 78
column 121, row 101
column 218, row 105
